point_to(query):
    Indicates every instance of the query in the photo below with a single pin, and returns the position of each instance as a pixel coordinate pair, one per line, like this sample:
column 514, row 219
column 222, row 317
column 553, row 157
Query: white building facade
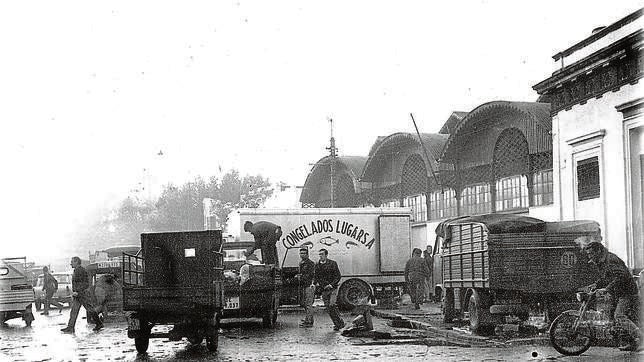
column 598, row 134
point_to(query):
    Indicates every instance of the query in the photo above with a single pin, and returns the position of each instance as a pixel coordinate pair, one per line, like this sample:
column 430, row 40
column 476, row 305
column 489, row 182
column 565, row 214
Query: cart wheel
column 212, row 341
column 141, row 344
column 195, row 340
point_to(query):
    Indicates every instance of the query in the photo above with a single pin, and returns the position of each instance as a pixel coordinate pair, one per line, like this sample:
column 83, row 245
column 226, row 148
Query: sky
column 100, row 99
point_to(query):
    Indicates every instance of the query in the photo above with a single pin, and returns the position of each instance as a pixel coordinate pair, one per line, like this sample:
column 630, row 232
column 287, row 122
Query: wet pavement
column 246, row 340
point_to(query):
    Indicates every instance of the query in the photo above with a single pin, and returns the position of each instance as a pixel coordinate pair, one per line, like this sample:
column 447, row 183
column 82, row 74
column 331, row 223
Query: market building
column 334, row 182
column 598, row 133
column 496, row 158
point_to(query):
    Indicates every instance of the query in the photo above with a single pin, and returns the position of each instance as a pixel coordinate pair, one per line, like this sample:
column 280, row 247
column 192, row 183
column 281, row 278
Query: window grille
column 588, row 179
column 343, row 191
column 476, row 199
column 542, row 188
column 418, row 204
column 442, row 204
column 512, row 193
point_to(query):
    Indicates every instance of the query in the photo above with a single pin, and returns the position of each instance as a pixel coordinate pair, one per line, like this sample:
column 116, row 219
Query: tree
column 178, row 208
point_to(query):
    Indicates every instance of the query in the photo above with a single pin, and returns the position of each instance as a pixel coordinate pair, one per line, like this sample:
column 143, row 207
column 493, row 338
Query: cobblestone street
column 247, row 341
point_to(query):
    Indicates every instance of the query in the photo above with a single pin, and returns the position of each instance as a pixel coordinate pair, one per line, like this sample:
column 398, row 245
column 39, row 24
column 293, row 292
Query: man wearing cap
column 616, row 280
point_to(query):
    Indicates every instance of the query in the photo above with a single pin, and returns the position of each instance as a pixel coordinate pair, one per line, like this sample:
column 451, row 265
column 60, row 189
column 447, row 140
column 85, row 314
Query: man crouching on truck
column 615, row 280
column 266, row 235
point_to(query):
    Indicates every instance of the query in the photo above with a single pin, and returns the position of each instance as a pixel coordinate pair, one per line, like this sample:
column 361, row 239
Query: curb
column 448, row 335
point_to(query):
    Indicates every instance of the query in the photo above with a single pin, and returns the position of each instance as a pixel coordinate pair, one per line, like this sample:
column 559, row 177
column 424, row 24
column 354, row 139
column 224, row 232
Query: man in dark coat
column 307, row 289
column 429, row 281
column 326, row 278
column 49, row 286
column 415, row 273
column 266, row 235
column 81, row 297
column 615, row 279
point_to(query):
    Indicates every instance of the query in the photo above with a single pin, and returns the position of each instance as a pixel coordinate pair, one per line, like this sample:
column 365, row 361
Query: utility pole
column 333, row 152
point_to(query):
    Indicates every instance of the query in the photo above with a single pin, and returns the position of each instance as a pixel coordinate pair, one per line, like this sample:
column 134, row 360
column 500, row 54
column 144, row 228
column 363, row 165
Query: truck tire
column 212, row 341
column 481, row 320
column 195, row 340
column 448, row 306
column 269, row 319
column 142, row 343
column 352, row 293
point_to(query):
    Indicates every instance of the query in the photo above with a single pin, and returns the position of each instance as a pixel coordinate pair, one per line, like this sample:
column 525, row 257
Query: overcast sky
column 90, row 92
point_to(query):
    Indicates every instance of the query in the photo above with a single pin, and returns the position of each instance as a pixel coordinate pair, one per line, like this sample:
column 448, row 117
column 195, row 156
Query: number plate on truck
column 232, row 303
column 133, row 324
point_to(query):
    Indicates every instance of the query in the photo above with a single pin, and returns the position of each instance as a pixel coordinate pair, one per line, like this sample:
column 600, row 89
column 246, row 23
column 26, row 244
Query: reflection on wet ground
column 240, row 340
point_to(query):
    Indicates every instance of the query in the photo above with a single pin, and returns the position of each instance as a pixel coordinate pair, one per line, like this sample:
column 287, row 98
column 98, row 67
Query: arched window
column 511, row 170
column 414, row 187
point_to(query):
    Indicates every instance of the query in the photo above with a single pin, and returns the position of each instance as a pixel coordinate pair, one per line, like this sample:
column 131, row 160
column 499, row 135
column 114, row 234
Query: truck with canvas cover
column 370, row 245
column 500, row 267
column 177, row 281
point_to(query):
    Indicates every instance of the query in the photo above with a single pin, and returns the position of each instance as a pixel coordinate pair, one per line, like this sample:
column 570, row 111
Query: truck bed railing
column 133, row 267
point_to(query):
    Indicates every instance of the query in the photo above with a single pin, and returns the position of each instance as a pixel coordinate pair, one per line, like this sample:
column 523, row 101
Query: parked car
column 62, row 295
column 16, row 293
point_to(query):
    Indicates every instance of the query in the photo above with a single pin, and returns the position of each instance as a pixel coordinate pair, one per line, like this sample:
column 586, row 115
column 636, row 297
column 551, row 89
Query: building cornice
column 600, row 34
column 605, row 70
column 631, row 108
column 587, row 137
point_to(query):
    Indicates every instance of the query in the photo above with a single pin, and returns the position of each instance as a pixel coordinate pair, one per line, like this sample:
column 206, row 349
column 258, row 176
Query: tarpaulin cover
column 508, row 223
column 574, row 226
column 497, row 223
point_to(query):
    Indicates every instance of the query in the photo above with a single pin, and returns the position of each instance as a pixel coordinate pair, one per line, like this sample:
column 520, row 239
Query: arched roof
column 479, row 129
column 392, row 143
column 320, row 172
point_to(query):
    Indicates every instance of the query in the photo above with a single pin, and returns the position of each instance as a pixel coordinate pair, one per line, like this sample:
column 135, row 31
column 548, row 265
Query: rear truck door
column 394, row 234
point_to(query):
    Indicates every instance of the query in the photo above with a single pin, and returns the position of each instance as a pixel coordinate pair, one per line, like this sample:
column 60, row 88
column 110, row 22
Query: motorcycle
column 573, row 332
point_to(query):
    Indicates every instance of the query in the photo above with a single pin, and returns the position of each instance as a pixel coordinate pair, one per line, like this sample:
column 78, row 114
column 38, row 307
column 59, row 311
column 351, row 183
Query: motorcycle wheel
column 563, row 340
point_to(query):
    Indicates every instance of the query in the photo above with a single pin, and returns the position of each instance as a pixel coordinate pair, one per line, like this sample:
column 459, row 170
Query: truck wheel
column 141, row 344
column 352, row 293
column 269, row 318
column 212, row 341
column 479, row 314
column 448, row 306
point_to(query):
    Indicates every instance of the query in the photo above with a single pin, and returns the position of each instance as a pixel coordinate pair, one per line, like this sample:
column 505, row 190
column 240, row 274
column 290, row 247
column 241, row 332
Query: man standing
column 266, row 234
column 50, row 286
column 429, row 282
column 415, row 273
column 307, row 289
column 326, row 278
column 615, row 280
column 80, row 297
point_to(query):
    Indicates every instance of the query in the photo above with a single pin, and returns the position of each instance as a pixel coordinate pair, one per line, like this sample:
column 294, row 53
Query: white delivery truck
column 370, row 245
